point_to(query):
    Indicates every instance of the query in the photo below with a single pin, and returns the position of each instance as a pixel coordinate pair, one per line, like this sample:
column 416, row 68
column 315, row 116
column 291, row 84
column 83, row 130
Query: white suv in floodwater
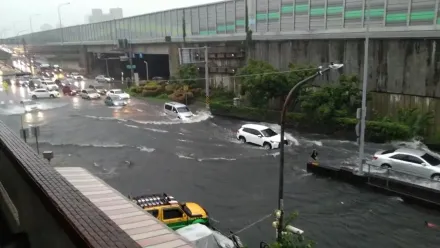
column 177, row 110
column 259, row 135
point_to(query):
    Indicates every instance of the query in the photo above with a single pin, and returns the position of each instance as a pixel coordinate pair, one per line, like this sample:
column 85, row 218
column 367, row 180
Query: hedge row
column 376, row 131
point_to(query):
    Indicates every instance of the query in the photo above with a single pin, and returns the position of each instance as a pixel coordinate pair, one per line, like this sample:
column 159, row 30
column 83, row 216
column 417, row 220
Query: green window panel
column 223, row 28
column 261, row 16
column 274, row 15
column 298, row 8
column 334, row 10
column 422, row 16
column 358, row 13
column 286, row 9
column 396, row 17
column 270, row 16
column 240, row 22
column 317, row 11
column 301, row 8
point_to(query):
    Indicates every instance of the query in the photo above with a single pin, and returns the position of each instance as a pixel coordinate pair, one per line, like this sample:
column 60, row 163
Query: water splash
column 145, row 149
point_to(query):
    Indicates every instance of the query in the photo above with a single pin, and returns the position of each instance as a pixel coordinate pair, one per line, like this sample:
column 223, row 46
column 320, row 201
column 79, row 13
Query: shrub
column 197, row 91
column 182, row 97
column 169, row 89
column 162, row 96
column 135, row 90
column 155, row 92
column 418, row 120
column 152, row 84
column 377, row 131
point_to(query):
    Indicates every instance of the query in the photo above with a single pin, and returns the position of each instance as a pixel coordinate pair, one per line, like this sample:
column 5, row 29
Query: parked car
column 99, row 88
column 90, row 94
column 115, row 101
column 102, row 78
column 119, row 93
column 49, row 85
column 44, row 93
column 70, row 90
column 77, row 76
column 409, row 161
column 259, row 135
column 177, row 110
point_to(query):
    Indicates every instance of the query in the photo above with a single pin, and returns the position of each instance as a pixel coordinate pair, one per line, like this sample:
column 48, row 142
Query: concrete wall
column 27, row 213
column 395, row 66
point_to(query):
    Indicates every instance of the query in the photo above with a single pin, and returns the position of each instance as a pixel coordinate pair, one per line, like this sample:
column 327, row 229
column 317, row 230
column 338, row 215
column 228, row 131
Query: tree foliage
column 290, row 240
column 416, row 119
column 333, row 100
column 188, row 74
column 261, row 82
column 299, row 72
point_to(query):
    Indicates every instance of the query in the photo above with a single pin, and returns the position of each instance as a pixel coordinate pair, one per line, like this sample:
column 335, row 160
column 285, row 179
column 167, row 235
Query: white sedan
column 102, row 78
column 118, row 92
column 44, row 93
column 90, row 94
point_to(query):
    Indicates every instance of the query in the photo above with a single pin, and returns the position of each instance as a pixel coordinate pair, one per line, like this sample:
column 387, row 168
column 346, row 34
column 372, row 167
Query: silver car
column 409, row 161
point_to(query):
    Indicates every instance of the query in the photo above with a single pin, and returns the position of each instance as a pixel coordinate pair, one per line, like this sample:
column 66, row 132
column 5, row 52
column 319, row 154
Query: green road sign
column 132, row 67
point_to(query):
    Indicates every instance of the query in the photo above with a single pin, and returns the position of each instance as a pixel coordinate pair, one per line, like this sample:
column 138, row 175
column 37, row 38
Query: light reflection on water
column 34, row 119
column 76, row 103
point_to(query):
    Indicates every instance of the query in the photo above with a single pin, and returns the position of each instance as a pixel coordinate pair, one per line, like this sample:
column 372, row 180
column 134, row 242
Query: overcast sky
column 15, row 14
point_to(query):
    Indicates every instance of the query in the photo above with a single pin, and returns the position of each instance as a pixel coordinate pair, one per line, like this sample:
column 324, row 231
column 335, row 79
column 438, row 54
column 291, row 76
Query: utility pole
column 206, row 77
column 130, row 60
column 364, row 89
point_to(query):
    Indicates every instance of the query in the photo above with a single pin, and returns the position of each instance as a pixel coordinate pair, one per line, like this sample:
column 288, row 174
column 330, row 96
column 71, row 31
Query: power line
column 247, row 75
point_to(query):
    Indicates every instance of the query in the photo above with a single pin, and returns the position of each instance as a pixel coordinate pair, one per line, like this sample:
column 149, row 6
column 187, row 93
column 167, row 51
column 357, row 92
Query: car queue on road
column 72, row 85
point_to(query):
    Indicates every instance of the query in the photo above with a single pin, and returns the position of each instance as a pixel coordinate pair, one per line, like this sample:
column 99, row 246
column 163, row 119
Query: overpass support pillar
column 173, row 59
column 85, row 60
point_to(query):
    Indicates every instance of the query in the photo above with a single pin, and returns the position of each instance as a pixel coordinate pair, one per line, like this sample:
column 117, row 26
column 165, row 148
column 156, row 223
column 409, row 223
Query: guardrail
column 410, row 187
column 390, row 175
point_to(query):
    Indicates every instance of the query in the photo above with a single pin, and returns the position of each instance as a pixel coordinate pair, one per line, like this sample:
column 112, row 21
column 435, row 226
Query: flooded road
column 138, row 150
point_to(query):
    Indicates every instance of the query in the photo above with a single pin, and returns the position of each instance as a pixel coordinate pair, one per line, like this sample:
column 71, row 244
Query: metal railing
column 391, row 175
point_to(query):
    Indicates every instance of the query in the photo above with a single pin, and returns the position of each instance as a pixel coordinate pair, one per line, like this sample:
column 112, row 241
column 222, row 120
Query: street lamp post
column 30, row 22
column 146, row 67
column 364, row 90
column 286, row 104
column 59, row 19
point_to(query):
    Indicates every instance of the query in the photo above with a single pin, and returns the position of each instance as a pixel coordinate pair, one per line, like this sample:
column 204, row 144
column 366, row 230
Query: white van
column 177, row 110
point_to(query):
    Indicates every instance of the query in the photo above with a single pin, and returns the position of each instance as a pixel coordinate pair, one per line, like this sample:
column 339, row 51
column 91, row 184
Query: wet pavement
column 137, row 149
